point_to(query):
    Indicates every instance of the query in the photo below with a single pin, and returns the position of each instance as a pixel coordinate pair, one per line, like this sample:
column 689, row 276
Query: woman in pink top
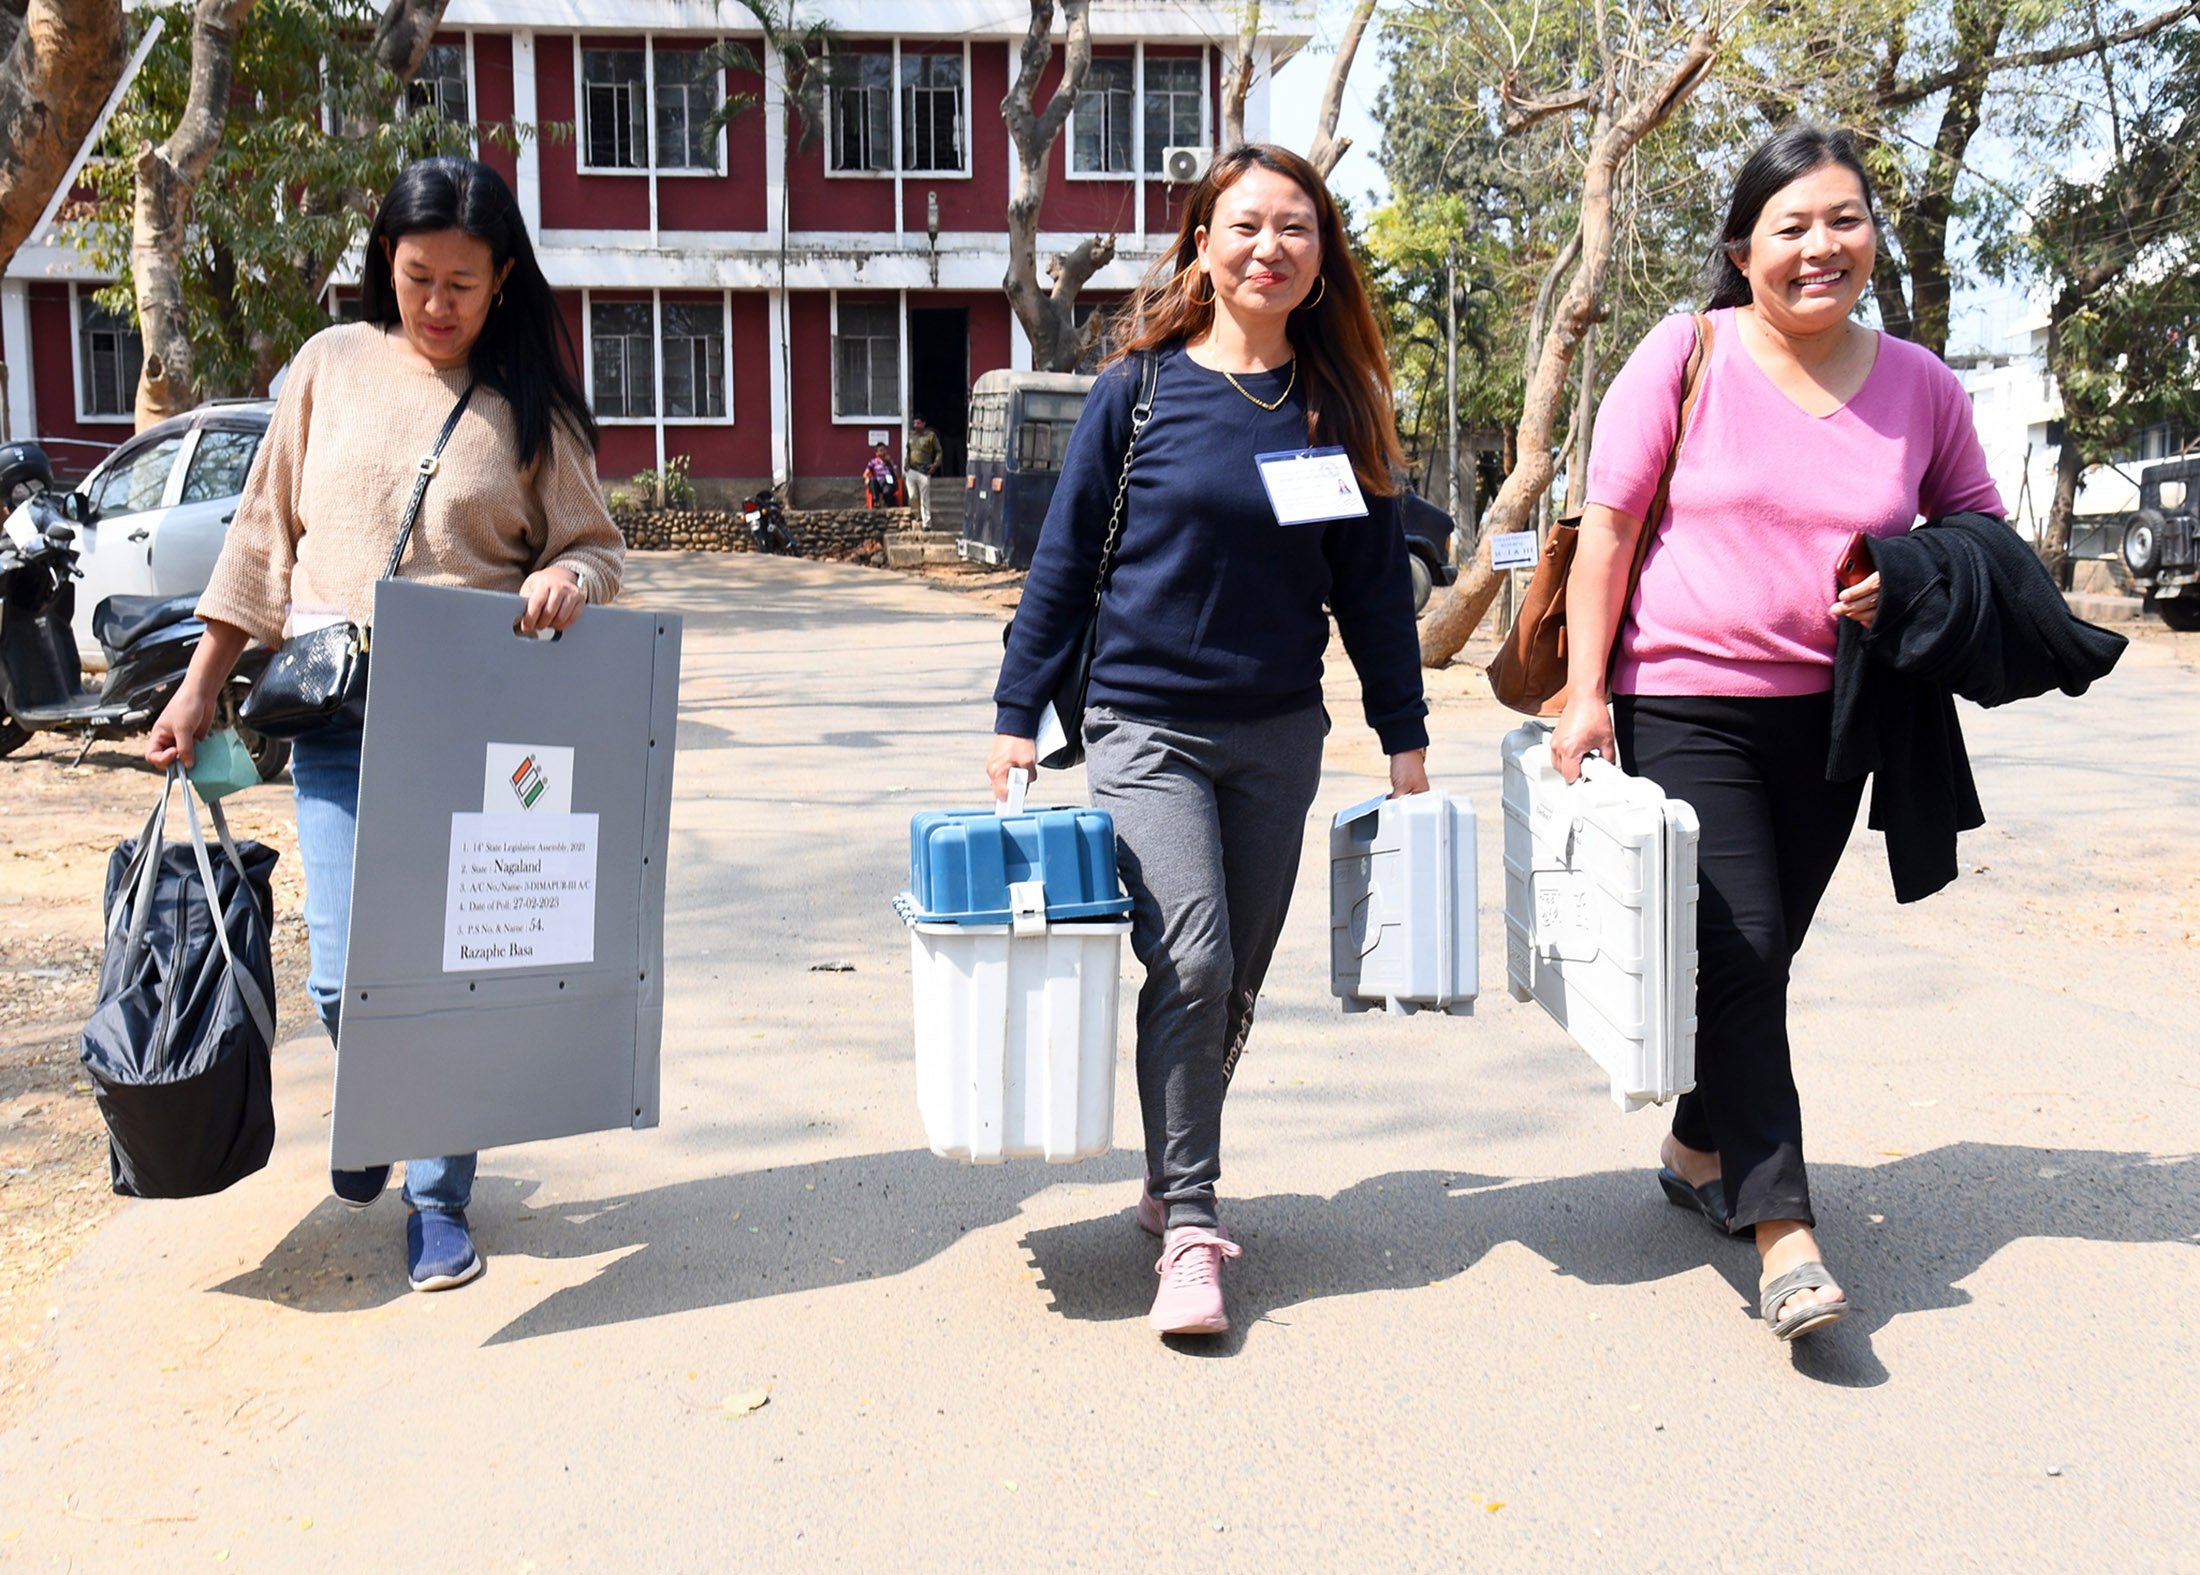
column 1808, row 427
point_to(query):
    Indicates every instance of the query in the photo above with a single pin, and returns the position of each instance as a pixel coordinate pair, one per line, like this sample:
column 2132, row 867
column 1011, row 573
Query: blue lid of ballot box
column 962, row 862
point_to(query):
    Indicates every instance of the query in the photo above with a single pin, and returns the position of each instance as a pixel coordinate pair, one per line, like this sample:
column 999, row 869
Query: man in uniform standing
column 923, row 463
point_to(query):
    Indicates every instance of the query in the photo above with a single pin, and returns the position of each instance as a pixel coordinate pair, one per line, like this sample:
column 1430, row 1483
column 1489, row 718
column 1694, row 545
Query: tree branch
column 62, row 59
column 1521, row 112
column 1902, row 94
column 1328, row 148
column 402, row 37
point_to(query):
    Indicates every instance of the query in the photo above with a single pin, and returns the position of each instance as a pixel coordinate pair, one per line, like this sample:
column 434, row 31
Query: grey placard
column 436, row 1062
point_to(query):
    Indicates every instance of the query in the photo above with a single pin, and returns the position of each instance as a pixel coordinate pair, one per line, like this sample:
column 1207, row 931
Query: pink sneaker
column 1190, row 1298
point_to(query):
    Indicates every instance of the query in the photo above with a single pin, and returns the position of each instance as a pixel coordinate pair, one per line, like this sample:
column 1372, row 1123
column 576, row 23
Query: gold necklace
column 1289, row 383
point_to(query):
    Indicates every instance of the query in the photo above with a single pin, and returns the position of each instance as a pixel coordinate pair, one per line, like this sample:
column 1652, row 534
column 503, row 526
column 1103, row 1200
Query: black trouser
column 1773, row 829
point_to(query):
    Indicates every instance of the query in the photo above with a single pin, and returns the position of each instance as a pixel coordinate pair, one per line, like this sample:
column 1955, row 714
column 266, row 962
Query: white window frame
column 649, row 166
column 901, row 359
column 717, row 167
column 473, row 88
column 656, row 305
column 1069, row 124
column 892, row 168
column 1206, row 108
column 79, row 294
column 969, row 154
column 725, row 359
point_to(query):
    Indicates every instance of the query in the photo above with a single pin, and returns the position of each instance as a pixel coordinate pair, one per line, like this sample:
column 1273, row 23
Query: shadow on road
column 1902, row 1236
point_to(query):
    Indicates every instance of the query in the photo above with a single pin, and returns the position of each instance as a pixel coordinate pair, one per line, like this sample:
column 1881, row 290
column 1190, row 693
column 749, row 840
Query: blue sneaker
column 357, row 1189
column 439, row 1250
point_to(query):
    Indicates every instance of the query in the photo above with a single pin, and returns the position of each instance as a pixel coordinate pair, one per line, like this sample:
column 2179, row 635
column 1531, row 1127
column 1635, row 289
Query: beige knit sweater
column 321, row 509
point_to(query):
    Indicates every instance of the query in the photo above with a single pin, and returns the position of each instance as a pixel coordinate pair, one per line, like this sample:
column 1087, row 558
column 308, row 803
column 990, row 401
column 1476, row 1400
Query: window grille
column 1173, row 119
column 440, row 84
column 932, row 118
column 867, row 360
column 863, row 111
column 113, row 353
column 617, row 130
column 1100, row 124
column 619, row 346
column 694, row 338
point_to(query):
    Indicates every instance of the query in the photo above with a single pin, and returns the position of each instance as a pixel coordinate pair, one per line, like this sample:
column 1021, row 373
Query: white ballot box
column 505, row 979
column 1402, row 919
column 1600, row 915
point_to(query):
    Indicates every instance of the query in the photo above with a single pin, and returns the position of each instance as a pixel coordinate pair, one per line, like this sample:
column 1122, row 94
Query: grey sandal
column 1814, row 1315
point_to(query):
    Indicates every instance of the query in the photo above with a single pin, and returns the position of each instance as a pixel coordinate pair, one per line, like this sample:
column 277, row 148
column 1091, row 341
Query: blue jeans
column 324, row 771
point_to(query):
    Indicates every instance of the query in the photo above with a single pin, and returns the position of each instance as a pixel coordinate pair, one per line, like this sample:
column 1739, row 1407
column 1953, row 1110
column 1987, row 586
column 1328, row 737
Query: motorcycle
column 766, row 518
column 149, row 640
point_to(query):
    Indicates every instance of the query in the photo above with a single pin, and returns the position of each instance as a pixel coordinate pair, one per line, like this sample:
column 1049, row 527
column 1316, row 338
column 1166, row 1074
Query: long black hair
column 525, row 351
column 1787, row 158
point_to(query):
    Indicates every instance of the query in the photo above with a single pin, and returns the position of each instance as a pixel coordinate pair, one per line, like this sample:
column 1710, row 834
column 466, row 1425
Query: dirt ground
column 61, row 822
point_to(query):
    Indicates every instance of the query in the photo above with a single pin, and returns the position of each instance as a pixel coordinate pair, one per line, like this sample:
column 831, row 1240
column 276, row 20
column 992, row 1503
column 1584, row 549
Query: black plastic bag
column 178, row 1047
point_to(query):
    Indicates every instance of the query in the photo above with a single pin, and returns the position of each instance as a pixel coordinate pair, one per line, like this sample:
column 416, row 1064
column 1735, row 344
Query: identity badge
column 1308, row 485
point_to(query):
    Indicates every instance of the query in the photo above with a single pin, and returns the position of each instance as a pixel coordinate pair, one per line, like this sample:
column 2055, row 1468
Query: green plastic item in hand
column 221, row 765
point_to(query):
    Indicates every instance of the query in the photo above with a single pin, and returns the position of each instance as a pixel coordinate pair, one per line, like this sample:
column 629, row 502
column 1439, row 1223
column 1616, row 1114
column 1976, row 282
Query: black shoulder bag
column 1061, row 735
column 319, row 677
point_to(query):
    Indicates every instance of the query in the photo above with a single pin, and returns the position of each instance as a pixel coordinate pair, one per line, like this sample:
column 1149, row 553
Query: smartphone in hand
column 1856, row 564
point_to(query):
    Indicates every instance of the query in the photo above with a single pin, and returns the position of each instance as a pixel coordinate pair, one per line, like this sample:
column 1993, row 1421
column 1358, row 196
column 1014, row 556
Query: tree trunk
column 1328, row 147
column 62, row 60
column 1047, row 310
column 166, row 177
column 402, row 37
column 1454, row 619
column 1924, row 227
column 1237, row 79
column 2054, row 542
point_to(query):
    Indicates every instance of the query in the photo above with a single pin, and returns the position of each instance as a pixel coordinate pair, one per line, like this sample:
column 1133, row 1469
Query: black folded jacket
column 1965, row 608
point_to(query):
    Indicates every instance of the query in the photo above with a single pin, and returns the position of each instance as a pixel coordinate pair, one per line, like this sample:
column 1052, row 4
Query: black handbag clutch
column 321, row 677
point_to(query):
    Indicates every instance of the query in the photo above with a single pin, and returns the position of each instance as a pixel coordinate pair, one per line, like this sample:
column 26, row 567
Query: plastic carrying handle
column 143, row 877
column 1019, row 783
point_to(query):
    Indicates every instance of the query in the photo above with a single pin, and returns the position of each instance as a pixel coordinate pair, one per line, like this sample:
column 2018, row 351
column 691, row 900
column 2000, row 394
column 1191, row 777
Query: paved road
column 1469, row 1330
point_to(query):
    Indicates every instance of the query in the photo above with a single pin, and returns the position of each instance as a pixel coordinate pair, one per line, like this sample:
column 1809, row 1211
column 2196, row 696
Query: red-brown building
column 764, row 303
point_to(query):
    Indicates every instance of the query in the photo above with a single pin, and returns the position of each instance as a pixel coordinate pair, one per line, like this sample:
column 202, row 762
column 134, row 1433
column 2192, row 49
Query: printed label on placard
column 522, row 892
column 1515, row 549
column 1565, row 915
column 1307, row 486
column 535, row 779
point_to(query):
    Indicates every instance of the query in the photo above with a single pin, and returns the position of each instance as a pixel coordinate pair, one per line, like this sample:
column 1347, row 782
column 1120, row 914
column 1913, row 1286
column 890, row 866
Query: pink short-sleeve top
column 1765, row 496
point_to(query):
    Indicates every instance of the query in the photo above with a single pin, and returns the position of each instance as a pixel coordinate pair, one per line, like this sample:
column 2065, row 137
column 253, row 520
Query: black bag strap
column 1149, row 378
column 426, row 473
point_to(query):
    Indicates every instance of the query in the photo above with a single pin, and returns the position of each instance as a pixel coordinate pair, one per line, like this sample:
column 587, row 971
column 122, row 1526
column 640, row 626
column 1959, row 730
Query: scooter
column 149, row 640
column 766, row 518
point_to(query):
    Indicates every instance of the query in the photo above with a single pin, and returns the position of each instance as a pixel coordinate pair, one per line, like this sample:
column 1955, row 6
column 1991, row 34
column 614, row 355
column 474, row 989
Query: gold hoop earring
column 1195, row 300
column 1320, row 294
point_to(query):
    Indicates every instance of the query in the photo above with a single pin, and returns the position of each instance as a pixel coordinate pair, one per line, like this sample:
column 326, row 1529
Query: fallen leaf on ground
column 744, row 1404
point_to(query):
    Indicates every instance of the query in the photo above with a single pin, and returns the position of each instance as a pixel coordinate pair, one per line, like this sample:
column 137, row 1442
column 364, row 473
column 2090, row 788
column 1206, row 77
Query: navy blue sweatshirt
column 1214, row 611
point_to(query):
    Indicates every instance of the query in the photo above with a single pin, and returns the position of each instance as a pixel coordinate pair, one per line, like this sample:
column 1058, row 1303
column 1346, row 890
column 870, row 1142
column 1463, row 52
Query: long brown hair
column 1342, row 363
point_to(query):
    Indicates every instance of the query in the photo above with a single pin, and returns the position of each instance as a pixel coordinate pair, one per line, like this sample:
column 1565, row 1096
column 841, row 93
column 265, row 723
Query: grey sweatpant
column 1209, row 820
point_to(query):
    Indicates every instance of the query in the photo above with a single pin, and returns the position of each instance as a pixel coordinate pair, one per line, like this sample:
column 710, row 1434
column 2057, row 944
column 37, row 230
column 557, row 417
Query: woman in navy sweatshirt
column 1258, row 492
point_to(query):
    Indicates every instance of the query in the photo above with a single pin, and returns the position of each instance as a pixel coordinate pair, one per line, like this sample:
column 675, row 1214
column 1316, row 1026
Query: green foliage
column 671, row 490
column 2116, row 252
column 810, row 70
column 284, row 198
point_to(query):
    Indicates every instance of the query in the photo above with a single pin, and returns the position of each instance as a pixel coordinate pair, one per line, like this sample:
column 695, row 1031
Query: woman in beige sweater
column 456, row 309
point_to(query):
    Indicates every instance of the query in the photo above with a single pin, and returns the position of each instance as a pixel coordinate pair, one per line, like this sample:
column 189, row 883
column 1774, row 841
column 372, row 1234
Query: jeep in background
column 2162, row 541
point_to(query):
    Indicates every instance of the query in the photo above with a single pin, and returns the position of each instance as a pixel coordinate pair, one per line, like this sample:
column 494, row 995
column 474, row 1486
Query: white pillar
column 1019, row 345
column 1256, row 101
column 782, row 422
column 15, row 334
column 524, row 113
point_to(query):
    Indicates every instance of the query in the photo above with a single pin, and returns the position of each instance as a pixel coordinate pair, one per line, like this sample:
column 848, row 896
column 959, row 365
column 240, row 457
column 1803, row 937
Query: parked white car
column 159, row 507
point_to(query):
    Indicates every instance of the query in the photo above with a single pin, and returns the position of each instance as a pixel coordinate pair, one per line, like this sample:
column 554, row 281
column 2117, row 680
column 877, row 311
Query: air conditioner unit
column 1182, row 166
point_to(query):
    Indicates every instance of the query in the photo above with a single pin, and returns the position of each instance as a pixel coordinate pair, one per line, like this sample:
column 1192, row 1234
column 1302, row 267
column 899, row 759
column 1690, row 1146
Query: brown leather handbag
column 1529, row 672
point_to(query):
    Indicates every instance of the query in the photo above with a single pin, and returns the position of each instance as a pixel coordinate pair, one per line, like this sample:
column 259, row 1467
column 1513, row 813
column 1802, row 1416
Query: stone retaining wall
column 836, row 535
